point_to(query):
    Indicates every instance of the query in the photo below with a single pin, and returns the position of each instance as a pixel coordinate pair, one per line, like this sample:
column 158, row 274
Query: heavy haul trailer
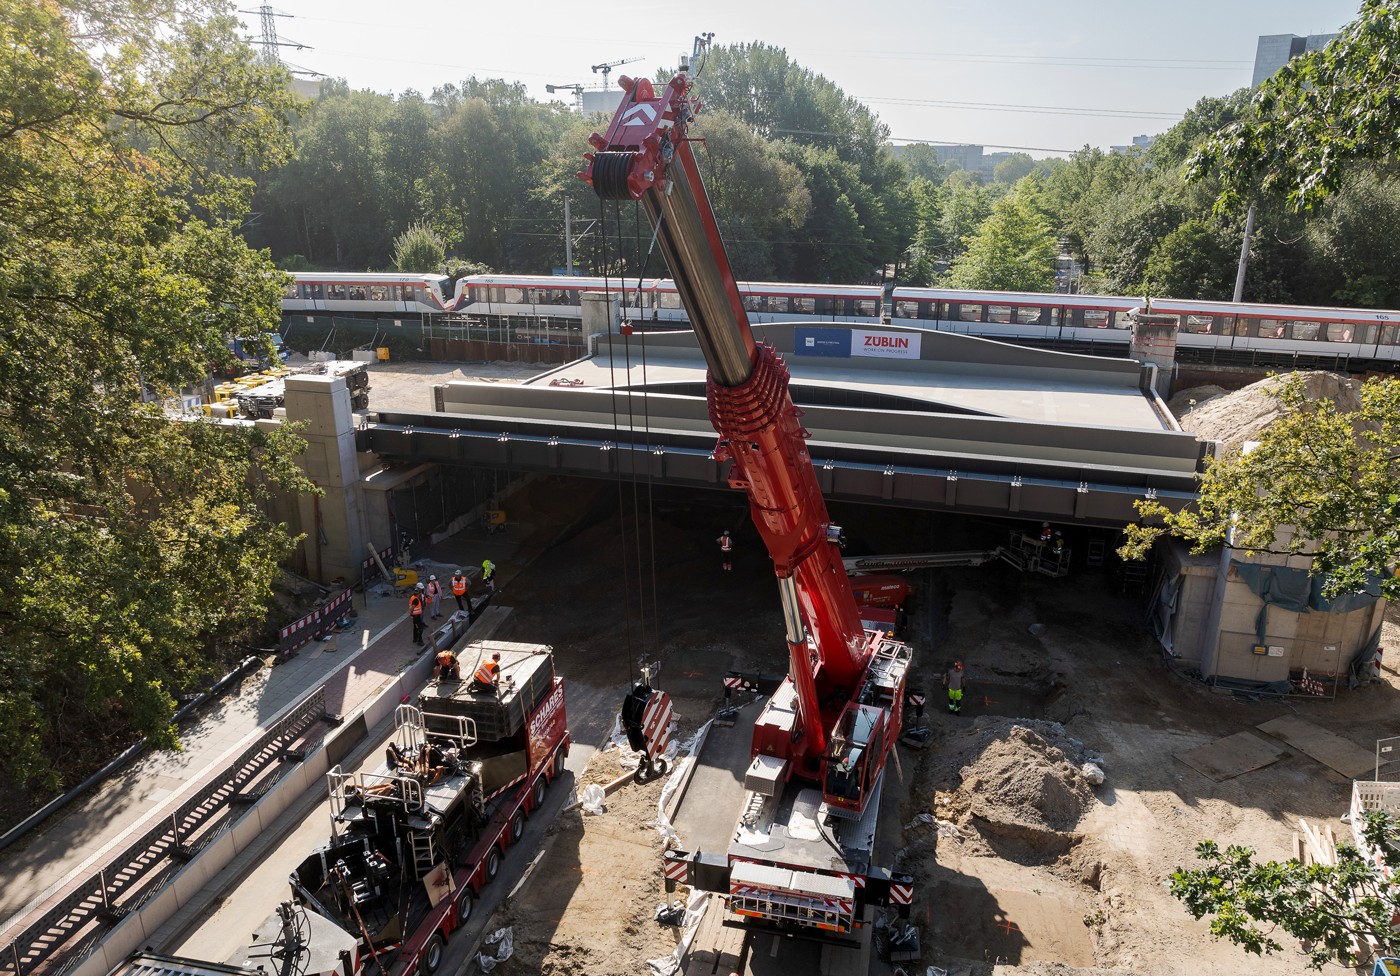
column 805, row 838
column 413, row 842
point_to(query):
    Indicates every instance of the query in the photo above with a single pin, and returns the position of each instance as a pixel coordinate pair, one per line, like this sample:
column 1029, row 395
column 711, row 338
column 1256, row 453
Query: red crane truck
column 803, row 850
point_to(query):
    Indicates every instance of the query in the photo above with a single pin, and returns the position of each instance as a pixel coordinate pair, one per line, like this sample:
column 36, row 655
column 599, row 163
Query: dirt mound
column 1240, row 416
column 1021, row 794
column 1180, row 405
column 1055, row 969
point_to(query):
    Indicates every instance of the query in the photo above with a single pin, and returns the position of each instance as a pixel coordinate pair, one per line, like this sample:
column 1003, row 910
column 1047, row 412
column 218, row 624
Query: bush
column 419, row 250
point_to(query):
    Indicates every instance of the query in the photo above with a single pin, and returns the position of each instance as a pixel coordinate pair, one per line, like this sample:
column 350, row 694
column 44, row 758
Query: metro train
column 1350, row 333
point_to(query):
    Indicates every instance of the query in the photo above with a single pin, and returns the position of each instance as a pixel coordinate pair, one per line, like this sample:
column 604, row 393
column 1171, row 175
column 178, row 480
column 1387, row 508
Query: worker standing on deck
column 1059, row 544
column 434, row 597
column 415, row 610
column 488, row 574
column 954, row 681
column 488, row 673
column 726, row 549
column 459, row 590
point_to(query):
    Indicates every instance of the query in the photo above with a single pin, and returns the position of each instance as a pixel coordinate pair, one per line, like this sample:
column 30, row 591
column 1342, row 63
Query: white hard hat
column 432, row 578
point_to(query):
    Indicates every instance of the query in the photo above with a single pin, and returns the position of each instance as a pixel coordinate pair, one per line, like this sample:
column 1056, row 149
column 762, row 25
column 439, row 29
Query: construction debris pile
column 1242, row 415
column 1024, row 786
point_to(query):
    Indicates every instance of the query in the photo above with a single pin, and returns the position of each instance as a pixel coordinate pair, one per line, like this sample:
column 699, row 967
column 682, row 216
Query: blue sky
column 1045, row 76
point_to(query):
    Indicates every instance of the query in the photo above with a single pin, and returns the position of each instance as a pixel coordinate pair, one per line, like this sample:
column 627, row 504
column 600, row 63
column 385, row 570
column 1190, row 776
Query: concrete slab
column 706, row 818
column 1330, row 749
column 1231, row 756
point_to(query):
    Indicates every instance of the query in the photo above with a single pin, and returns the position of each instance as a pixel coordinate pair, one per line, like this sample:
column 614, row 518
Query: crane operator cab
column 850, row 770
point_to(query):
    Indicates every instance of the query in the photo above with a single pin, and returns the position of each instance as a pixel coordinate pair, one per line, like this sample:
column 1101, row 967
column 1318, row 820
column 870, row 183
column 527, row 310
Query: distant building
column 306, row 87
column 602, row 100
column 967, row 157
column 1139, row 142
column 1276, row 50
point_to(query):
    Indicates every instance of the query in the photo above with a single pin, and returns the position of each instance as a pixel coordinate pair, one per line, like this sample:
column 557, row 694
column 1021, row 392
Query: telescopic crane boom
column 645, row 155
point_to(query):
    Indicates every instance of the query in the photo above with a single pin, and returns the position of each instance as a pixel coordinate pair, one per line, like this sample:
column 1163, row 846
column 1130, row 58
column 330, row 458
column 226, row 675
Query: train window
column 311, row 292
column 1095, row 318
column 1366, row 333
column 906, row 310
column 379, row 293
column 290, row 291
column 778, row 303
column 335, row 293
column 1272, row 328
column 753, row 303
column 967, row 313
column 1305, row 330
column 669, row 299
column 478, row 293
column 358, row 293
column 1120, row 320
column 1388, row 334
column 1246, row 327
column 1339, row 332
column 867, row 307
column 513, row 296
column 1000, row 314
column 1029, row 315
column 417, row 292
column 804, row 306
column 497, row 295
column 1199, row 324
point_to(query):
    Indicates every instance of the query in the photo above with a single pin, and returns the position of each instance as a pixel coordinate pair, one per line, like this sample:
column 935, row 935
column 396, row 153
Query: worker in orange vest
column 446, row 666
column 459, row 590
column 415, row 610
column 488, row 673
column 1045, row 533
column 434, row 593
column 726, row 548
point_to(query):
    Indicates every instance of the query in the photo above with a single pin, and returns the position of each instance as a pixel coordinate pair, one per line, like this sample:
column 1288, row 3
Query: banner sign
column 844, row 343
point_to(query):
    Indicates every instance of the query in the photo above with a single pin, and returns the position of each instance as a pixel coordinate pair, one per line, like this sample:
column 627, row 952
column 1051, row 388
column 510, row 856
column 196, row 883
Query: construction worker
column 434, row 597
column 459, row 590
column 1059, row 544
column 726, row 549
column 1045, row 533
column 447, row 666
column 488, row 673
column 488, row 574
column 954, row 682
column 415, row 610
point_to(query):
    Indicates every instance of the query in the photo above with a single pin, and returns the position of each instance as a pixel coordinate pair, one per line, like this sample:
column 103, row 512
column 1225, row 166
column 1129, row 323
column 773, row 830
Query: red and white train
column 1353, row 333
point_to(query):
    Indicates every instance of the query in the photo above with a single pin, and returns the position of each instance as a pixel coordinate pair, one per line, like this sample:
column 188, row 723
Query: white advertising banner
column 885, row 345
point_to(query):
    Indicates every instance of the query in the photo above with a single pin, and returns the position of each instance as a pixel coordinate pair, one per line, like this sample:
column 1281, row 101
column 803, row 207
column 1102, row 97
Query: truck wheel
column 464, row 907
column 559, row 764
column 539, row 793
column 517, row 827
column 431, row 958
column 493, row 865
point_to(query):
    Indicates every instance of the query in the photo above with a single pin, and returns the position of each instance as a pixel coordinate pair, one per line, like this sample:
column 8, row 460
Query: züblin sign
column 855, row 342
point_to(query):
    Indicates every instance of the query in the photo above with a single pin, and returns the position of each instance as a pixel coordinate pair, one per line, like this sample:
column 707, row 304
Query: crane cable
column 646, row 420
column 621, row 514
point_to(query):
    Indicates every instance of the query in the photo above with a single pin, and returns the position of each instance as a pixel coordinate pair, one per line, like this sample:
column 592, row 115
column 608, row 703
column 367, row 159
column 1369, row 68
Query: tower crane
column 816, row 763
column 607, row 68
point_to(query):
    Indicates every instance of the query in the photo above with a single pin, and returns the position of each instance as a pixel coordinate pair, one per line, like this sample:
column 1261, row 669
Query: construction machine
column 803, row 850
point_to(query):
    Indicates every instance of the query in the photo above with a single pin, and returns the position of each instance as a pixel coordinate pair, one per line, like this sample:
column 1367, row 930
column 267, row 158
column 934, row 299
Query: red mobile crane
column 834, row 718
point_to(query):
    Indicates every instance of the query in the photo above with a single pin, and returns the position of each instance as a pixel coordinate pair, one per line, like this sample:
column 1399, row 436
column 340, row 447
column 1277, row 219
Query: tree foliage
column 1320, row 482
column 419, row 250
column 1315, row 117
column 1011, row 251
column 1331, row 909
column 130, row 541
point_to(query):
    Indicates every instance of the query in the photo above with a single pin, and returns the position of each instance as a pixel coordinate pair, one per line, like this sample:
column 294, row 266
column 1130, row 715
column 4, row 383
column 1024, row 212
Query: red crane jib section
column 646, row 156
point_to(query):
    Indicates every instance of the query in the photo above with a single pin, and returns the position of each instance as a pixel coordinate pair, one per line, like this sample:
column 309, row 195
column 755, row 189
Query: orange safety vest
column 415, row 605
column 459, row 585
column 1045, row 535
column 486, row 672
column 445, row 659
column 434, row 588
column 725, row 543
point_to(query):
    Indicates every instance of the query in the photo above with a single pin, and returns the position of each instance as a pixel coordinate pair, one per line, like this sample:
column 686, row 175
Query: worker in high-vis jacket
column 434, row 594
column 726, row 550
column 415, row 610
column 488, row 574
column 953, row 680
column 447, row 666
column 459, row 590
column 488, row 673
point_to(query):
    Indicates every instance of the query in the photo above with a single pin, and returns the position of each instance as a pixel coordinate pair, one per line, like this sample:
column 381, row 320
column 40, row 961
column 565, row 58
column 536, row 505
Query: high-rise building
column 1276, row 50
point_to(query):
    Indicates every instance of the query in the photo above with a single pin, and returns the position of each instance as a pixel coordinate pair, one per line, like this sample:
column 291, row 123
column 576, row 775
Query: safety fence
column 1388, row 760
column 314, row 625
column 1313, row 668
column 61, row 936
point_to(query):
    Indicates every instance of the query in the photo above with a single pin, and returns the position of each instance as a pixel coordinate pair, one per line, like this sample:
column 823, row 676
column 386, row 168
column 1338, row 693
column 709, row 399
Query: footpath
column 352, row 666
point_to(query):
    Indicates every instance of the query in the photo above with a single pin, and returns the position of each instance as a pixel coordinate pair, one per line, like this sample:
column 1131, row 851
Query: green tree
column 921, row 161
column 419, row 250
column 1011, row 251
column 1012, row 169
column 1190, row 262
column 1329, row 478
column 121, row 276
column 1329, row 908
column 1316, row 117
column 477, row 181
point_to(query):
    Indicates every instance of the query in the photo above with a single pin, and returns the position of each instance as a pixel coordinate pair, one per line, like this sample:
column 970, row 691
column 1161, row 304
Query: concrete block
column 243, row 832
column 314, row 384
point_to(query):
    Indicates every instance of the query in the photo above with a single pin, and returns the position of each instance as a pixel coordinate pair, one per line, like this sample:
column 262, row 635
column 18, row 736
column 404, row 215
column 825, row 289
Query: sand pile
column 1240, row 416
column 1055, row 969
column 1021, row 792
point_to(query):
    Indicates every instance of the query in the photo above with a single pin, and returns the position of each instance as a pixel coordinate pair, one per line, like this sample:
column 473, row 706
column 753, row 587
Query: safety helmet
column 417, row 586
column 433, row 578
column 957, row 665
column 1045, row 525
column 496, row 656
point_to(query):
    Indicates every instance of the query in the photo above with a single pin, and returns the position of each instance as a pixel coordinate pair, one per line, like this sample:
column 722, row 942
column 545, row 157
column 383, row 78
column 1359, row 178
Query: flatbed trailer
column 414, row 842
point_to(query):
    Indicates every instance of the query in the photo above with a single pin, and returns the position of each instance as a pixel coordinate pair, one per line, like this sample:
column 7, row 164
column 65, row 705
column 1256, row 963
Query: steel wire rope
column 632, row 435
column 645, row 262
column 612, row 377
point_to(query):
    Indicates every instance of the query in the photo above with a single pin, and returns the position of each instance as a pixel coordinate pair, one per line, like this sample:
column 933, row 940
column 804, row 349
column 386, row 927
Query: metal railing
column 59, row 938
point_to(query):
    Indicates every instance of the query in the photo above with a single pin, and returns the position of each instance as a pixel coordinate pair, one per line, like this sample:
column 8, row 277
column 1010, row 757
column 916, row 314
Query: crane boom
column 645, row 155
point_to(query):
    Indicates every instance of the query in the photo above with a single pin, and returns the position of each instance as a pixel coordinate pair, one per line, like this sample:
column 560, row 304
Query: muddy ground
column 1079, row 883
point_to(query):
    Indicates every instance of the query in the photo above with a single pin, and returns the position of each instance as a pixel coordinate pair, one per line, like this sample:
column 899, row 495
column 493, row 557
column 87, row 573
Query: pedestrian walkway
column 353, row 666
